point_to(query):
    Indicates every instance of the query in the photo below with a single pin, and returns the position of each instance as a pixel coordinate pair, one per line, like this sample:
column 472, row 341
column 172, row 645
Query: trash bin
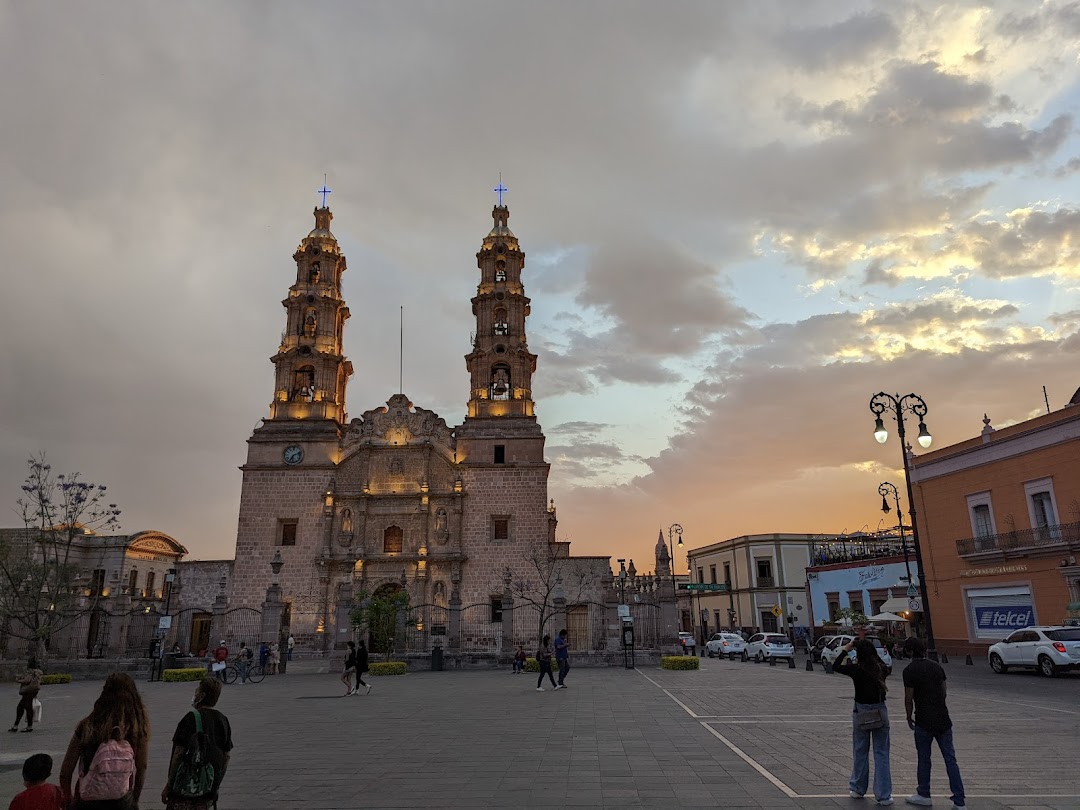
column 436, row 658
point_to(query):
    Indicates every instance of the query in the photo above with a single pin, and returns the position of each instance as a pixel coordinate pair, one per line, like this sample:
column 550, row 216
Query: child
column 39, row 795
column 519, row 659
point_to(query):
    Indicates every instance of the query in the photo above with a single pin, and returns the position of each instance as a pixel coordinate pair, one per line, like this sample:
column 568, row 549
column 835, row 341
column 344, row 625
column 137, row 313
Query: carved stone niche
column 441, row 533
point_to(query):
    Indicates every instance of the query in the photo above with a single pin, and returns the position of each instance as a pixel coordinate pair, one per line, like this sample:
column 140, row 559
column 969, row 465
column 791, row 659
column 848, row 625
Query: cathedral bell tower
column 501, row 423
column 310, row 369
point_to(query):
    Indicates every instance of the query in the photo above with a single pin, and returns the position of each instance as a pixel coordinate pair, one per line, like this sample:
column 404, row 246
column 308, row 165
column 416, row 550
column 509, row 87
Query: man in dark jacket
column 924, row 695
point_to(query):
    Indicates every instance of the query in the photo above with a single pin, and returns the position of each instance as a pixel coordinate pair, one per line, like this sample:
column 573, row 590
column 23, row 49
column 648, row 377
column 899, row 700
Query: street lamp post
column 674, row 530
column 884, row 489
column 899, row 406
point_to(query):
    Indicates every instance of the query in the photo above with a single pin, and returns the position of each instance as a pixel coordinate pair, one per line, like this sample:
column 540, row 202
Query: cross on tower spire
column 324, row 191
column 500, row 190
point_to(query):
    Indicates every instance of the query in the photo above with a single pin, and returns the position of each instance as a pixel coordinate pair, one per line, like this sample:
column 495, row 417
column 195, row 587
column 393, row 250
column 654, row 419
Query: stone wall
column 200, row 584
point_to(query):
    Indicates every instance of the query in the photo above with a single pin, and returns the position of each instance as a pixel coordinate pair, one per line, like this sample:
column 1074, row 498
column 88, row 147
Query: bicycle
column 255, row 673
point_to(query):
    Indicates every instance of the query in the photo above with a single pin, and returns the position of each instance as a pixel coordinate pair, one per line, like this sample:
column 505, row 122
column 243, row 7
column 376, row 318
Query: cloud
column 852, row 40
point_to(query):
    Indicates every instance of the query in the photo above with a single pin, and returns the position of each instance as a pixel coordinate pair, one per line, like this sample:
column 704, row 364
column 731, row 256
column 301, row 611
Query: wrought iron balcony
column 1022, row 542
column 766, row 582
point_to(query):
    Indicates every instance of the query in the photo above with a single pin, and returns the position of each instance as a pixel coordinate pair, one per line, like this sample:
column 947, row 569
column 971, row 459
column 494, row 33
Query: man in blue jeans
column 924, row 694
column 562, row 657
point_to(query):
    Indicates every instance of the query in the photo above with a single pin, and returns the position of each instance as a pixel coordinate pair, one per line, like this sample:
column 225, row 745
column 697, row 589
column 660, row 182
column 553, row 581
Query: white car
column 831, row 651
column 725, row 644
column 687, row 641
column 763, row 646
column 1050, row 650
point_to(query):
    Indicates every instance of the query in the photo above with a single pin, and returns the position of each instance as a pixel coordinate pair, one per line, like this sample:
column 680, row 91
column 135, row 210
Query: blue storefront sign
column 1003, row 617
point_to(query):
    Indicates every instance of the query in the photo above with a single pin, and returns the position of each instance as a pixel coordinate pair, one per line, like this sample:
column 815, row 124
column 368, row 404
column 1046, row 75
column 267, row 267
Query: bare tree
column 550, row 569
column 42, row 588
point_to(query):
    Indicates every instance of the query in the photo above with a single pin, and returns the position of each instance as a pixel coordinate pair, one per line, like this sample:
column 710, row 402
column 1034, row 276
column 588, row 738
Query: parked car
column 763, row 646
column 725, row 644
column 831, row 651
column 819, row 645
column 688, row 643
column 1050, row 650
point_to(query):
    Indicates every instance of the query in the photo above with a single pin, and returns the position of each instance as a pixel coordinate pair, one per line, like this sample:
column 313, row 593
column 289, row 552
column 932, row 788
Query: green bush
column 188, row 674
column 680, row 662
column 532, row 665
column 55, row 678
column 389, row 668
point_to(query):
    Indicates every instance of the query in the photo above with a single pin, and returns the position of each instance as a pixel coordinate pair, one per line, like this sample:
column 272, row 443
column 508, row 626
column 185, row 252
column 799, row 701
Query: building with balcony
column 765, row 575
column 999, row 523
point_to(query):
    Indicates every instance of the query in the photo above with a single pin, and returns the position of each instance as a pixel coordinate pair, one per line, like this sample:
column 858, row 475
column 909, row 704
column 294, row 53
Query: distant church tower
column 294, row 452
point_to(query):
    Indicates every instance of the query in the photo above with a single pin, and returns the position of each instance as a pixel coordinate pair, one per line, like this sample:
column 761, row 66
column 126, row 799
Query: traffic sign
column 915, row 604
column 912, row 591
column 707, row 586
column 777, row 611
column 624, row 611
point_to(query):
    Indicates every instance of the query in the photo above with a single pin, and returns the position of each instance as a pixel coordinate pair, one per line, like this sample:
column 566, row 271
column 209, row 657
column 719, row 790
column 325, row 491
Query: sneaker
column 854, row 795
column 919, row 799
column 560, row 686
column 368, row 692
column 539, row 689
column 885, row 802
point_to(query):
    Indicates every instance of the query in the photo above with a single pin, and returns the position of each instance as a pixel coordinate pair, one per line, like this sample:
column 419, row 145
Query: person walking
column 361, row 668
column 928, row 717
column 291, row 644
column 350, row 668
column 218, row 744
column 562, row 657
column 118, row 729
column 29, row 686
column 869, row 720
column 543, row 658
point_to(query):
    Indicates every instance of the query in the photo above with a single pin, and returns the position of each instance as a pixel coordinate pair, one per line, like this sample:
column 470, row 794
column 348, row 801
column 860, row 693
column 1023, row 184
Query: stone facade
column 397, row 498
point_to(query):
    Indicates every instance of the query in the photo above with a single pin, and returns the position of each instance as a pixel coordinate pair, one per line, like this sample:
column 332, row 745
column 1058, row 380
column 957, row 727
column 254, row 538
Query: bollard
column 791, row 663
column 772, row 661
column 809, row 665
column 944, row 657
column 969, row 662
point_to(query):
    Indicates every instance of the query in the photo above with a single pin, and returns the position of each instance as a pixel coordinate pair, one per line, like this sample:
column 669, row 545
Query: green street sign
column 707, row 586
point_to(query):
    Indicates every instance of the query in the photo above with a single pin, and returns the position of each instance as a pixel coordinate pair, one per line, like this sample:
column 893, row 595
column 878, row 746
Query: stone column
column 217, row 624
column 454, row 631
column 612, row 629
column 507, row 640
column 669, row 620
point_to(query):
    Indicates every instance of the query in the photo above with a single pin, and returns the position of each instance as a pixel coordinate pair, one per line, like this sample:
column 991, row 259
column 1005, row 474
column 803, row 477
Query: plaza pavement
column 730, row 735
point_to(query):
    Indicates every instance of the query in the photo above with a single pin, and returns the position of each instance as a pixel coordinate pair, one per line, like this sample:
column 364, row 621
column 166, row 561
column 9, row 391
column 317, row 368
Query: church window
column 287, row 532
column 500, row 382
column 311, row 323
column 303, row 389
column 393, row 540
column 133, row 581
column 313, row 276
column 496, row 609
column 148, row 591
column 502, row 327
column 500, row 454
column 500, row 527
column 500, row 275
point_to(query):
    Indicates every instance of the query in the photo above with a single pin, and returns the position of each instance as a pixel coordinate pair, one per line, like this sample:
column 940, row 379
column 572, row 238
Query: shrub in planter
column 680, row 662
column 55, row 678
column 389, row 668
column 532, row 665
column 188, row 674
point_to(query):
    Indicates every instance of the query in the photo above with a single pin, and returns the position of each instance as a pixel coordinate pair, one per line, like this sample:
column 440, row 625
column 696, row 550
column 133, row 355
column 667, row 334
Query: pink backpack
column 111, row 774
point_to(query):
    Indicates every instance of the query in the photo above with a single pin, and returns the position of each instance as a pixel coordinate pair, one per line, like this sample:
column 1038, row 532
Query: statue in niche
column 311, row 323
column 438, row 596
column 396, row 467
column 440, row 521
column 346, row 521
column 313, row 277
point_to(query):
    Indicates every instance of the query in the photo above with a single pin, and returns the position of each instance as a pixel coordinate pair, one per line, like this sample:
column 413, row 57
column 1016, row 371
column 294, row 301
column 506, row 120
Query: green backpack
column 196, row 772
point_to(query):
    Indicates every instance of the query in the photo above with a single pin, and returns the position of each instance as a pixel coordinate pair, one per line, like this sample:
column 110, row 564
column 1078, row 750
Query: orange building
column 999, row 525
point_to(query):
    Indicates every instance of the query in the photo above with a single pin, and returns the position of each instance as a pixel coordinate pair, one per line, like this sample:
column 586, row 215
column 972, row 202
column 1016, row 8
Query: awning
column 886, row 617
column 898, row 604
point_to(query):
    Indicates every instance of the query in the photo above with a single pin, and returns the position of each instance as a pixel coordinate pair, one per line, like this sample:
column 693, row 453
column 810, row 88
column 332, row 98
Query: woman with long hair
column 119, row 717
column 869, row 720
column 29, row 684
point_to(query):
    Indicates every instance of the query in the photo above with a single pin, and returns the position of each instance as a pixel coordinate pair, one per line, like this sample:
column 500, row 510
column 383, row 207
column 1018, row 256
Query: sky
column 740, row 222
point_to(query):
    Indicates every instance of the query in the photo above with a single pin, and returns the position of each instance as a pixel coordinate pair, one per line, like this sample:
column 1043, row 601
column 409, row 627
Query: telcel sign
column 1009, row 617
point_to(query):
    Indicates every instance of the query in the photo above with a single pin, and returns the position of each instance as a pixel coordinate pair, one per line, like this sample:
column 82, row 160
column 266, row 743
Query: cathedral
column 396, row 499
